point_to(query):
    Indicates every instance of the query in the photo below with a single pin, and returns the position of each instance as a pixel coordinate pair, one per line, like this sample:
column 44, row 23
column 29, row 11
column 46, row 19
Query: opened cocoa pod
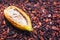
column 18, row 18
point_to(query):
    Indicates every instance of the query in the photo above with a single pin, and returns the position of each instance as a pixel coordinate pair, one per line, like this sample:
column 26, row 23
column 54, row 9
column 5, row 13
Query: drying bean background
column 45, row 17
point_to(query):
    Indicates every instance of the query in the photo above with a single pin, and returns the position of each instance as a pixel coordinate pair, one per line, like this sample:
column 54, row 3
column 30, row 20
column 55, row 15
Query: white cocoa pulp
column 17, row 17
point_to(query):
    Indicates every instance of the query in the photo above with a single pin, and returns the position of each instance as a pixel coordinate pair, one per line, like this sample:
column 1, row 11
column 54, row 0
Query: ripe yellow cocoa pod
column 18, row 18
